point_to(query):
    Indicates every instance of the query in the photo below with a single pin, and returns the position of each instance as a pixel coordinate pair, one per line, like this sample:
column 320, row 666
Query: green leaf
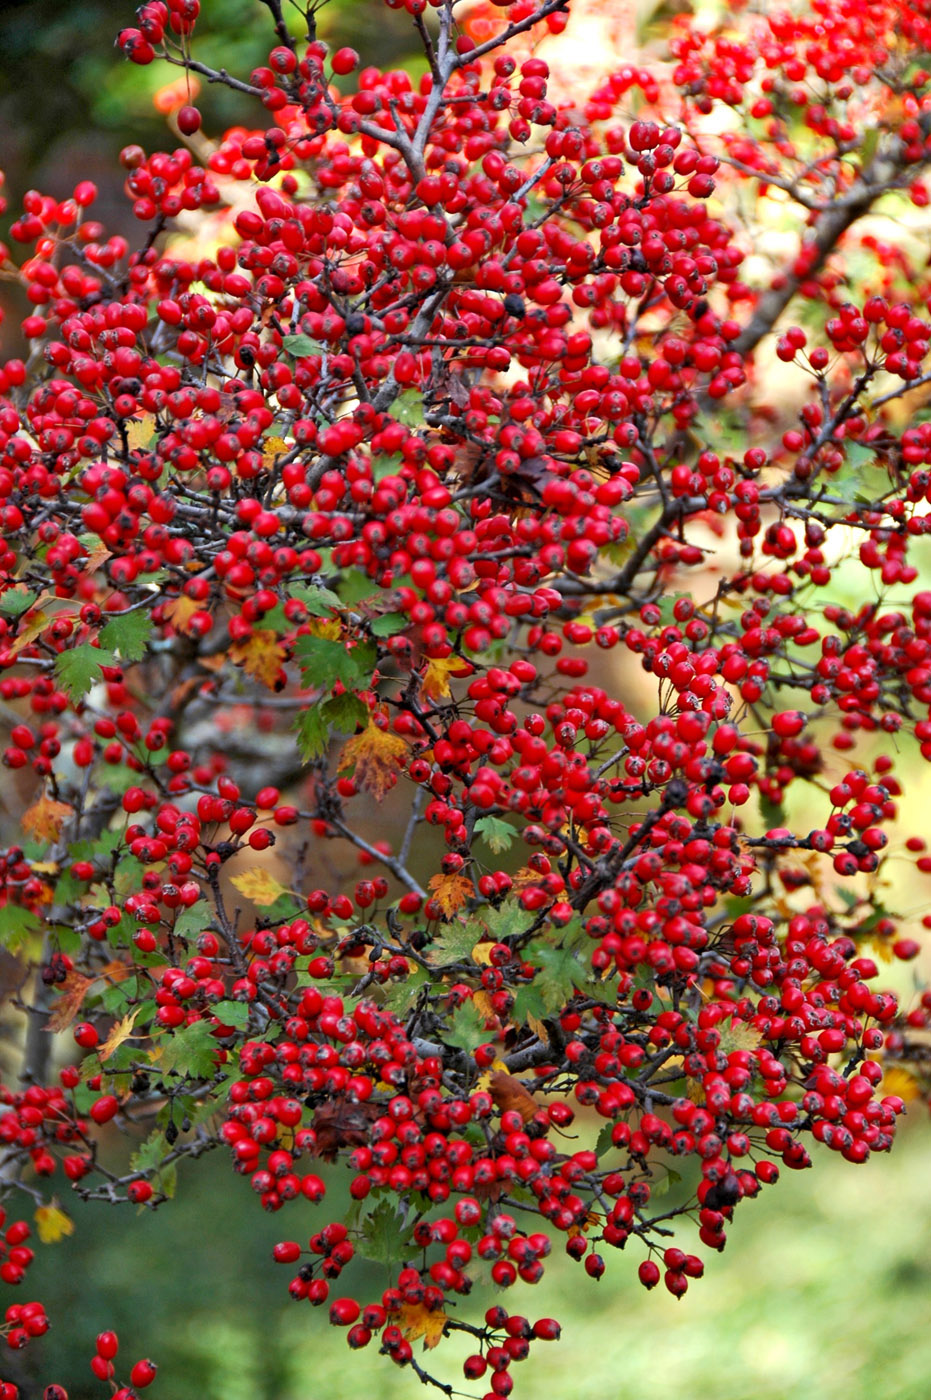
column 299, row 345
column 466, row 1030
column 561, row 974
column 78, row 669
column 319, row 601
column 324, row 662
column 385, row 1239
column 498, row 835
column 190, row 1051
column 16, row 601
column 127, row 633
column 663, row 1186
column 388, row 624
column 528, row 1001
column 605, row 1142
column 356, row 587
column 400, row 996
column 506, row 921
column 232, row 1013
column 191, row 921
column 408, row 407
column 17, row 926
column 344, row 712
column 454, row 943
column 313, row 735
column 151, row 1154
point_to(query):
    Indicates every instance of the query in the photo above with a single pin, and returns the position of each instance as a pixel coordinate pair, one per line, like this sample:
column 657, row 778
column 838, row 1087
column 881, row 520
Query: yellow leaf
column 330, row 628
column 44, row 820
column 53, row 1224
column 118, row 1034
column 261, row 655
column 450, row 892
column 140, row 432
column 481, row 953
column 900, row 1082
column 376, row 755
column 417, row 1321
column 435, row 680
column 273, row 447
column 482, row 1002
column 37, row 623
column 259, row 886
column 180, row 610
column 538, row 1028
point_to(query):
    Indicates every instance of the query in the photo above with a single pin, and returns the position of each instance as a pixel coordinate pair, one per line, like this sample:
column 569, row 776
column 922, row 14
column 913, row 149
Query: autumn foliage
column 465, row 634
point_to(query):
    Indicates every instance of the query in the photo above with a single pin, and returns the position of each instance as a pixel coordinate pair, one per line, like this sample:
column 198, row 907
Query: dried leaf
column 44, row 820
column 260, row 886
column 376, row 754
column 72, row 992
column 119, row 1033
column 508, row 1093
column 52, row 1223
column 450, row 892
column 261, row 656
column 416, row 1321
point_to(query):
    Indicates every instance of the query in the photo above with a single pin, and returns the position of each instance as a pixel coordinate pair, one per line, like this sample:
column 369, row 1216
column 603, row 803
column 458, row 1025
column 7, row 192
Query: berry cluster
column 451, row 696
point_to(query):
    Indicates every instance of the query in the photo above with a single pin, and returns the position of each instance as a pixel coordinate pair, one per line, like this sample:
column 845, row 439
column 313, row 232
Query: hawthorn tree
column 518, row 496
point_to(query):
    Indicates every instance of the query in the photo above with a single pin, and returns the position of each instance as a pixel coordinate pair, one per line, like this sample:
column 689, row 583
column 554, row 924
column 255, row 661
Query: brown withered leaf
column 376, row 755
column 340, row 1124
column 72, row 992
column 508, row 1093
column 74, row 989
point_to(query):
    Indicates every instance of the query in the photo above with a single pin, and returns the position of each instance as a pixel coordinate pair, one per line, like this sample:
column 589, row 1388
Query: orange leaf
column 376, row 755
column 416, row 1321
column 450, row 892
column 44, row 820
column 262, row 656
column 508, row 1093
column 179, row 611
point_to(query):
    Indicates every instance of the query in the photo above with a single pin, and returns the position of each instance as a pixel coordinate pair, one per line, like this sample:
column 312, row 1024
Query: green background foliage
column 822, row 1292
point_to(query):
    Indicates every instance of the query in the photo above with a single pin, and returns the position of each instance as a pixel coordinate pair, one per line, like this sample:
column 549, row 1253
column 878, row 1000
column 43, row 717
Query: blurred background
column 825, row 1286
